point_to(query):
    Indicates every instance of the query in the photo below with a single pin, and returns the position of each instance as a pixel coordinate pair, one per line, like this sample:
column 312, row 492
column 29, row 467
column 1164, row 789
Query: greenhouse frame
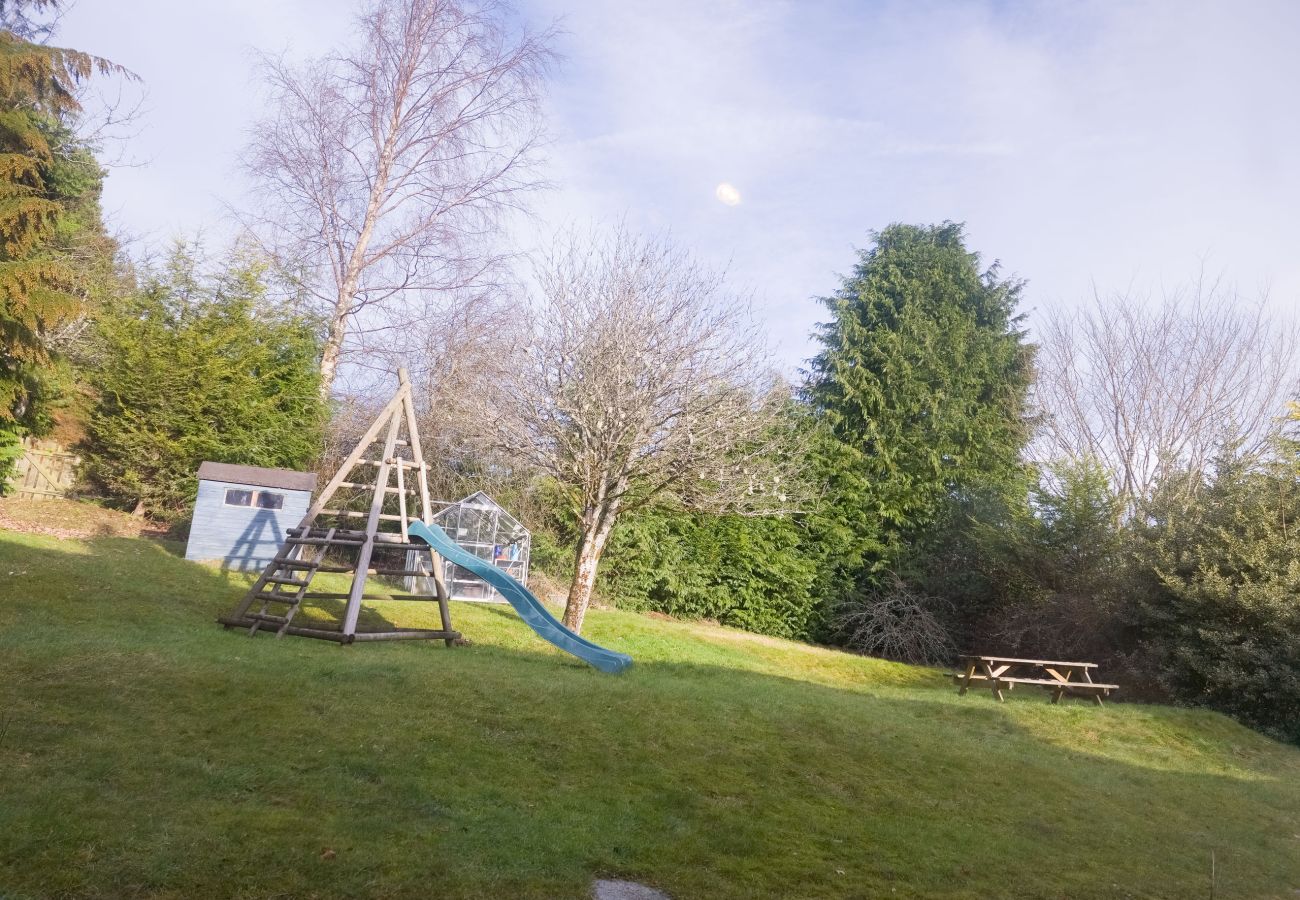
column 480, row 525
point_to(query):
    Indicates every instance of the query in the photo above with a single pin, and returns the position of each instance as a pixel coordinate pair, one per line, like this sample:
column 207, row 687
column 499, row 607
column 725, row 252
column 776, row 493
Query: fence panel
column 45, row 470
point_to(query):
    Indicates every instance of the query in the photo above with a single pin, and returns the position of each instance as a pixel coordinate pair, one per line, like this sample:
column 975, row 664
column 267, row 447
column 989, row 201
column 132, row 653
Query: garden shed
column 242, row 513
column 485, row 529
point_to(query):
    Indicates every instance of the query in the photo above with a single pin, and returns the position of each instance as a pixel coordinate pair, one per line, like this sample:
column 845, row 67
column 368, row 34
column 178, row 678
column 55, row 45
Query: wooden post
column 970, row 676
column 353, row 458
column 401, row 496
column 417, row 452
column 372, row 522
column 426, row 509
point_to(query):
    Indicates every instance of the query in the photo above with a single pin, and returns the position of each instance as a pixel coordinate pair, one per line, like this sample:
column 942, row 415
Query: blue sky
column 1122, row 145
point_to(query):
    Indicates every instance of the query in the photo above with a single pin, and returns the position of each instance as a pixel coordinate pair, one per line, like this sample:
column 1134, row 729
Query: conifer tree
column 922, row 381
column 49, row 187
column 198, row 365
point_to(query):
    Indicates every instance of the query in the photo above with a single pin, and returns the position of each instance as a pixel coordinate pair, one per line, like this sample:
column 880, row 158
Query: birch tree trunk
column 332, row 352
column 590, row 549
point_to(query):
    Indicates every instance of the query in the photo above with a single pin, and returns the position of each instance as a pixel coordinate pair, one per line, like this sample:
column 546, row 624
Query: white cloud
column 1083, row 142
column 1103, row 142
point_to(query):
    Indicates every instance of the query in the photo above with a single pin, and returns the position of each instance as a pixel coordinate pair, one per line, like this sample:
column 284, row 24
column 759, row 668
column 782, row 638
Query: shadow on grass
column 141, row 731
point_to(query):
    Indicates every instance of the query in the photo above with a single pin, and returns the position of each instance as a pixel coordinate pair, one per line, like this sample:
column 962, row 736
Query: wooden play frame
column 281, row 590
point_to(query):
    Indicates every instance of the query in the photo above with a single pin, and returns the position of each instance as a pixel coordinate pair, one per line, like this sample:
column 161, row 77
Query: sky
column 1086, row 145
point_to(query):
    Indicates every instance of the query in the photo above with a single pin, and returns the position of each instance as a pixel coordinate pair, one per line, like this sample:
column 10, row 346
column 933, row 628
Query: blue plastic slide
column 530, row 609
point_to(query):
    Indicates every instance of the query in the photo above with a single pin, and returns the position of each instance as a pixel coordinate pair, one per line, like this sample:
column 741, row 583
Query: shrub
column 897, row 622
column 11, row 450
column 198, row 367
column 1056, row 565
column 1220, row 619
column 745, row 572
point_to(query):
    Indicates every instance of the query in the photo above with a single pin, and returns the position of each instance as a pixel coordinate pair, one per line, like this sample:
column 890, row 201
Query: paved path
column 608, row 889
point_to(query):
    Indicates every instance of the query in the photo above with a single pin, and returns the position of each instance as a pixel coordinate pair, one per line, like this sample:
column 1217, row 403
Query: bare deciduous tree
column 643, row 382
column 897, row 623
column 1147, row 389
column 455, row 356
column 384, row 170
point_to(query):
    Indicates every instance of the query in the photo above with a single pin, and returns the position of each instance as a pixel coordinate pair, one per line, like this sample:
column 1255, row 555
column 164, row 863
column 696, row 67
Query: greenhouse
column 482, row 527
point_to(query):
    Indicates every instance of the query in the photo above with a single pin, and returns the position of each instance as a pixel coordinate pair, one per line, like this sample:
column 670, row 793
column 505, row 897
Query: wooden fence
column 45, row 470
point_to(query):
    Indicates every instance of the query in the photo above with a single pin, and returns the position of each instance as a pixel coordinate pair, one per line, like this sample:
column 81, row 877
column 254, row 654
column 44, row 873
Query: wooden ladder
column 285, row 588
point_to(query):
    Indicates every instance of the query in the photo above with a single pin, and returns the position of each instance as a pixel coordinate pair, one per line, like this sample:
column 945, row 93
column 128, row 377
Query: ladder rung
column 291, row 599
column 329, row 595
column 351, row 514
column 348, row 570
column 289, row 581
column 388, row 540
column 335, row 533
column 329, row 542
column 357, row 484
column 286, row 563
column 264, row 617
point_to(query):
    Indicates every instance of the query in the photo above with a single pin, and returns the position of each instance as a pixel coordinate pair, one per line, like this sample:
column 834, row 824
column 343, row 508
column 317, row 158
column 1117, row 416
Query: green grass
column 145, row 752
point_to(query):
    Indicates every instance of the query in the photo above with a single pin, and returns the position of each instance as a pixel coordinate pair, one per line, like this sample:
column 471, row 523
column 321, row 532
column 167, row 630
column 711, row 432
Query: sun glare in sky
column 727, row 193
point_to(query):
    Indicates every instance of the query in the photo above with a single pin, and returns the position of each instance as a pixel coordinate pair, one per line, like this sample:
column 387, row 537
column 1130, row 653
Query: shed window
column 238, row 498
column 270, row 500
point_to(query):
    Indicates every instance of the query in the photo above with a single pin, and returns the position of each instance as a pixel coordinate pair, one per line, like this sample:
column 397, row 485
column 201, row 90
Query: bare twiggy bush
column 456, row 356
column 897, row 623
column 643, row 381
column 384, row 170
column 1152, row 389
column 350, row 416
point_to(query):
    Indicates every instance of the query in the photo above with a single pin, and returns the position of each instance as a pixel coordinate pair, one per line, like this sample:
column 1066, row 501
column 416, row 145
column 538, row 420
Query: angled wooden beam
column 372, row 522
column 355, row 457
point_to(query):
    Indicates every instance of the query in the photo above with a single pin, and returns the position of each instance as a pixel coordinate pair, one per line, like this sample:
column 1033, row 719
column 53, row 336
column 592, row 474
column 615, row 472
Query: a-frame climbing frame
column 373, row 484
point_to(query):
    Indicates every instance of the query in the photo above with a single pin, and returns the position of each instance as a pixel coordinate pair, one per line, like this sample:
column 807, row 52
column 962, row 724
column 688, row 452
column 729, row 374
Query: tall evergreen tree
column 1218, row 618
column 49, row 188
column 922, row 382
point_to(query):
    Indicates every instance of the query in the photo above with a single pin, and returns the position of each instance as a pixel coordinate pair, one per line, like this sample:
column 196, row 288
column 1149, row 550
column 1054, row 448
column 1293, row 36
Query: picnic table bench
column 1005, row 672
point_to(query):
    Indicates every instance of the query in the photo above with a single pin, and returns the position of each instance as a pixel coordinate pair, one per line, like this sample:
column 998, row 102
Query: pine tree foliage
column 923, row 381
column 49, row 187
column 1220, row 626
column 198, row 367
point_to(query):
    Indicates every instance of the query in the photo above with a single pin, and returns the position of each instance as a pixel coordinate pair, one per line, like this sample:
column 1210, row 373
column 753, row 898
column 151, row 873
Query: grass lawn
column 145, row 752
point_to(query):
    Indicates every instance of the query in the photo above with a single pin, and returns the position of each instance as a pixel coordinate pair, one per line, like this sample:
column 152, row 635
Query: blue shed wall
column 242, row 537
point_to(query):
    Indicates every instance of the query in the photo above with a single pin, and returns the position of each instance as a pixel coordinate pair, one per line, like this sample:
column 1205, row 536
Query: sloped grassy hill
column 145, row 752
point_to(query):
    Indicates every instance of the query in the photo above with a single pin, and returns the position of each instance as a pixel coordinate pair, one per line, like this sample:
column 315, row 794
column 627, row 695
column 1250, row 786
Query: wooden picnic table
column 1005, row 672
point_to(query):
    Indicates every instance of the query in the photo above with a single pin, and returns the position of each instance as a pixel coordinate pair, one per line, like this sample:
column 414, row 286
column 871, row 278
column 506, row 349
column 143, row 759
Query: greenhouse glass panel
column 482, row 527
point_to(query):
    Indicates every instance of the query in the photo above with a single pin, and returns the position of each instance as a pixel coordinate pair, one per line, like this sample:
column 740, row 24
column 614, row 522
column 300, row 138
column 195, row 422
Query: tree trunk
column 590, row 548
column 333, row 350
column 331, row 353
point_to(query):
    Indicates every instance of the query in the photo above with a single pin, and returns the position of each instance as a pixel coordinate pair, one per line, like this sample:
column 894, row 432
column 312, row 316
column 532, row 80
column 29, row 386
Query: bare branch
column 896, row 623
column 1150, row 389
column 385, row 169
column 643, row 381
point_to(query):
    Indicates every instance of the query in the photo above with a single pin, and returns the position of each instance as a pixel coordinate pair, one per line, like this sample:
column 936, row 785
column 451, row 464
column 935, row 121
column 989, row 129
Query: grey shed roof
column 285, row 479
